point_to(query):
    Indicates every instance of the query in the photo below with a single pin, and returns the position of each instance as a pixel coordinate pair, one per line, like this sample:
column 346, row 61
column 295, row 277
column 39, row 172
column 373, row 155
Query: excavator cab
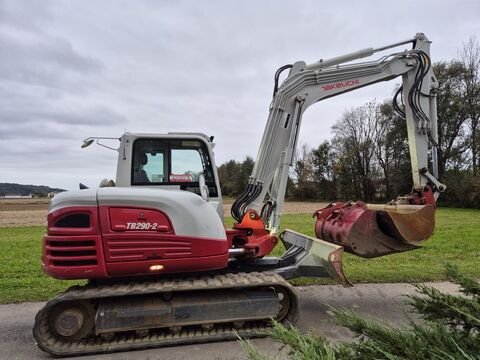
column 173, row 161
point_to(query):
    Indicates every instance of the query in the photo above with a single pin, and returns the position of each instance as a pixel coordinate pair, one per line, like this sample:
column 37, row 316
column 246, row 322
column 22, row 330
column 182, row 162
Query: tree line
column 367, row 158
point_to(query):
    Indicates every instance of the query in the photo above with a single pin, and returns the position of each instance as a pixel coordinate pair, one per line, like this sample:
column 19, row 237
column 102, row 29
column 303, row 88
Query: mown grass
column 21, row 278
column 456, row 240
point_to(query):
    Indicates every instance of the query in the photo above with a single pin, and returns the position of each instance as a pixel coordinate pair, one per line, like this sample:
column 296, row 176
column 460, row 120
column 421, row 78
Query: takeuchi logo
column 339, row 85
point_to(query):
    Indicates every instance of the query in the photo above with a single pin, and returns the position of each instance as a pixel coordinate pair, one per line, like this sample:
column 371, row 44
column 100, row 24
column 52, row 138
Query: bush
column 450, row 330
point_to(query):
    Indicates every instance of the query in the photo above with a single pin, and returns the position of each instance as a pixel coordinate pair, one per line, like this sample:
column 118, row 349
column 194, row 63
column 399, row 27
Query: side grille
column 135, row 249
column 71, row 252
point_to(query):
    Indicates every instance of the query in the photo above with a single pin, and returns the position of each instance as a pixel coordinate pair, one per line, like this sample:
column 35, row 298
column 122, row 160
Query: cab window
column 172, row 162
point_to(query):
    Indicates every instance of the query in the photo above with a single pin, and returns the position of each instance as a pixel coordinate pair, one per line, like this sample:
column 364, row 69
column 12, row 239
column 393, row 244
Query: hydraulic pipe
column 394, row 45
column 354, row 55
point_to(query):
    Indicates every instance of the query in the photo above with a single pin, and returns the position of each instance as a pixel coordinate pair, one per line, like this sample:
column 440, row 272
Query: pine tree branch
column 468, row 284
column 452, row 310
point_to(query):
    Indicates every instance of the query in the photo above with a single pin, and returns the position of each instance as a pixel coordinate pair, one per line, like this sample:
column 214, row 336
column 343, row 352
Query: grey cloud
column 57, row 155
column 69, row 70
column 45, row 61
column 31, row 56
column 94, row 116
column 44, row 131
column 34, row 15
column 98, row 116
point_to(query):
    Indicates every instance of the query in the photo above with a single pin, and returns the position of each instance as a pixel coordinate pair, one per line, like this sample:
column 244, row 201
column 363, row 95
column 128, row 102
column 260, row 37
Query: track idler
column 369, row 230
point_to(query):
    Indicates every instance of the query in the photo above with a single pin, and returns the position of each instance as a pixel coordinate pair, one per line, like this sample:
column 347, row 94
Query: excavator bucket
column 370, row 230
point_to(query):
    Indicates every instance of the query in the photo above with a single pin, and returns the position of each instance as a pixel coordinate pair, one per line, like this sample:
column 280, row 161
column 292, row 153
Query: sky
column 74, row 69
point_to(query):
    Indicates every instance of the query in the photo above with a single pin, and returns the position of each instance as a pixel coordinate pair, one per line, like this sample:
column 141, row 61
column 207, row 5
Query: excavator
column 162, row 269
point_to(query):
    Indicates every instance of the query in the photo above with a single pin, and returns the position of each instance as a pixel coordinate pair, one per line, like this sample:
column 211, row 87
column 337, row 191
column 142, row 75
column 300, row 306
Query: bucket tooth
column 375, row 230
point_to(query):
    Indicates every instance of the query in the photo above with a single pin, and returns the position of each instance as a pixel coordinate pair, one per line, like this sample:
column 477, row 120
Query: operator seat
column 139, row 175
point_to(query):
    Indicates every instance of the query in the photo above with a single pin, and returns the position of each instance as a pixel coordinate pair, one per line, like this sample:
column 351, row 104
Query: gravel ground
column 382, row 301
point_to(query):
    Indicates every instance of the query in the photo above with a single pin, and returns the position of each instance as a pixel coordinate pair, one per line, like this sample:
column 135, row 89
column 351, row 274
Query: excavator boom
column 377, row 231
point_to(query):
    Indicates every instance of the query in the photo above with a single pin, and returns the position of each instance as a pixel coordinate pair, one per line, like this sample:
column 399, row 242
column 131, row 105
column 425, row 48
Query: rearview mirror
column 203, row 187
column 87, row 142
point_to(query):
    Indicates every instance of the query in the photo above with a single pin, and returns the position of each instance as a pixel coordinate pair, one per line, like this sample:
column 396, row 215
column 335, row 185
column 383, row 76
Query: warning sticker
column 181, row 178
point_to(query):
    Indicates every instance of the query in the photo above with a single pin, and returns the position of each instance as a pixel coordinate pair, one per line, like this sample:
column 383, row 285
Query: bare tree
column 302, row 174
column 451, row 111
column 391, row 150
column 355, row 133
column 470, row 59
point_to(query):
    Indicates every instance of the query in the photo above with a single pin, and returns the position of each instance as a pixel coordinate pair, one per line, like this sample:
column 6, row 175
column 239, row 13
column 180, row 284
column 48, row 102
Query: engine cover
column 132, row 231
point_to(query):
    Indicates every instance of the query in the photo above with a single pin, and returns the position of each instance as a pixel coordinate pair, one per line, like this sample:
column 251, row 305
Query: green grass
column 456, row 240
column 21, row 278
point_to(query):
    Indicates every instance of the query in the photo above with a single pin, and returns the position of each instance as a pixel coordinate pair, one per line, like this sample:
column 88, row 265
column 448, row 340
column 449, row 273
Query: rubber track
column 47, row 341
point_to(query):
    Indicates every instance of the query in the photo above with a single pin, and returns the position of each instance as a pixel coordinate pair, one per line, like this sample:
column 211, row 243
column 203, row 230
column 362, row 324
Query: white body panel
column 86, row 197
column 189, row 213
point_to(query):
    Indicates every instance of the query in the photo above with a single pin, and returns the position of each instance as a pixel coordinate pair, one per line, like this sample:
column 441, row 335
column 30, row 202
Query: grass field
column 456, row 240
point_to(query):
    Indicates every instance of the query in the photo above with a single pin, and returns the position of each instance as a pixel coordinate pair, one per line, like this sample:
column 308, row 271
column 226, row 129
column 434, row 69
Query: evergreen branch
column 303, row 347
column 451, row 310
column 252, row 352
column 469, row 285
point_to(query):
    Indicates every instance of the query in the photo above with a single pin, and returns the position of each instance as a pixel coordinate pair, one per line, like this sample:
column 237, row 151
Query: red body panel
column 73, row 252
column 170, row 265
column 120, row 216
column 108, row 247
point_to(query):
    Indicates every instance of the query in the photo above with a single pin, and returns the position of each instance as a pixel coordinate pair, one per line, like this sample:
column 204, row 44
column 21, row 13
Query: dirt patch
column 23, row 204
column 23, row 218
column 33, row 212
column 23, row 212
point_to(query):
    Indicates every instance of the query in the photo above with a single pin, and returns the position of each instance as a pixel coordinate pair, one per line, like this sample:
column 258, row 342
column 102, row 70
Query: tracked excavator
column 163, row 269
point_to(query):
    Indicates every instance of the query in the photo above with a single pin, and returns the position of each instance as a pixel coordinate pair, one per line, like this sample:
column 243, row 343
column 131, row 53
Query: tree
column 302, row 173
column 322, row 162
column 354, row 136
column 451, row 113
column 470, row 85
column 244, row 172
column 234, row 176
column 391, row 151
column 227, row 175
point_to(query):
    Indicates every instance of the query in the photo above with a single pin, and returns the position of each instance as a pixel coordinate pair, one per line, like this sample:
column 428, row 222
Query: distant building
column 14, row 196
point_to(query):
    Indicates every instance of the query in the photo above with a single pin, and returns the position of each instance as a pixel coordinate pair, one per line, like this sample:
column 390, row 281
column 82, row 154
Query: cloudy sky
column 73, row 69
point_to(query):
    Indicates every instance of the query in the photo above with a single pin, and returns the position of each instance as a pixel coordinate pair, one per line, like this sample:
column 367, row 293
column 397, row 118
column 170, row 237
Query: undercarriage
column 154, row 313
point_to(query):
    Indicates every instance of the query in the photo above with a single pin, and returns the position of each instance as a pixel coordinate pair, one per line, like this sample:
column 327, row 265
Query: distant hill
column 19, row 189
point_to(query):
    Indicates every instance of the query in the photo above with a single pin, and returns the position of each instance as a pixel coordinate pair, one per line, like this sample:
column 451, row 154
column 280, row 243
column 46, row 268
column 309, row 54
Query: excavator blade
column 375, row 230
column 310, row 257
